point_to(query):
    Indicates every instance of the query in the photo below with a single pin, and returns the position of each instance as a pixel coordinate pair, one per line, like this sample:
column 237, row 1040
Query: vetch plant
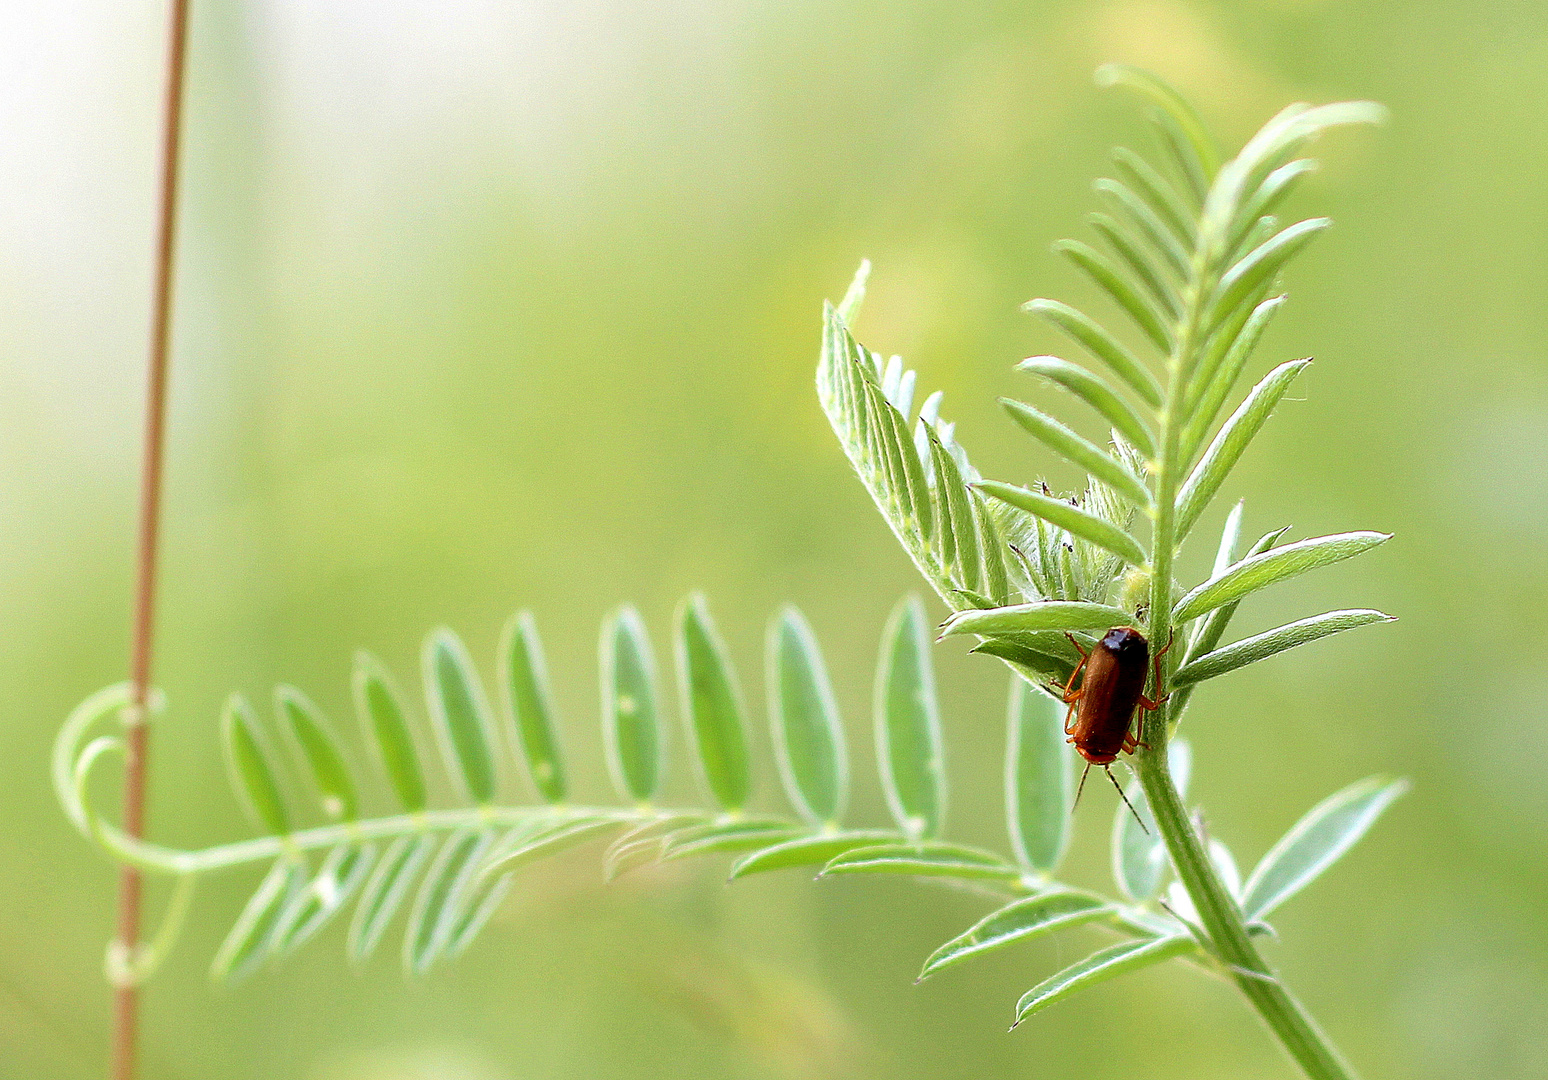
column 1032, row 576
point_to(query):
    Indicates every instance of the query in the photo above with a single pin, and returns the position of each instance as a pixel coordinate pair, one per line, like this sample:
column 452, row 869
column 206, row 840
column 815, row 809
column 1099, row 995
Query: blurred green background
column 486, row 305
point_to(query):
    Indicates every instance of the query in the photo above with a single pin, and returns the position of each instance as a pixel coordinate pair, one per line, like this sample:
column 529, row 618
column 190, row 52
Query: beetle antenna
column 1124, row 797
column 1081, row 787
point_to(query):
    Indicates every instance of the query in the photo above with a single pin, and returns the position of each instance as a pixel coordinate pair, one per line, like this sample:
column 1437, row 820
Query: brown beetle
column 1102, row 708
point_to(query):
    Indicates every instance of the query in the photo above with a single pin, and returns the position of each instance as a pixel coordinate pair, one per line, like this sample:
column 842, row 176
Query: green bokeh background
column 492, row 305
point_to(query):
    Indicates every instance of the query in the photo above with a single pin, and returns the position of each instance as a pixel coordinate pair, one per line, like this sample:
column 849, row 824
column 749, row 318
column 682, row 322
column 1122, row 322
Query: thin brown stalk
column 126, row 999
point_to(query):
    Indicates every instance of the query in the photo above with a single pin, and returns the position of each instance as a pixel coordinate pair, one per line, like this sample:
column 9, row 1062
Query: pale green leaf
column 1315, row 842
column 477, row 906
column 959, row 543
column 1278, row 564
column 247, row 945
column 433, row 915
column 1037, row 616
column 1148, row 317
column 726, row 837
column 1139, row 855
column 1039, row 784
column 1071, row 518
column 1207, row 634
column 1130, row 249
column 1098, row 341
column 341, row 873
column 526, row 846
column 808, row 851
column 1259, row 266
column 712, row 705
column 251, row 766
column 909, row 753
column 1159, row 236
column 1157, row 191
column 385, row 890
column 1202, row 157
column 854, row 296
column 529, row 707
column 459, row 715
column 1096, row 393
column 924, row 860
column 631, row 714
column 1225, row 357
column 1019, row 921
column 808, row 735
column 1261, row 646
column 1082, row 452
column 1227, row 446
column 313, row 735
column 380, row 708
column 1109, row 963
column 1230, row 536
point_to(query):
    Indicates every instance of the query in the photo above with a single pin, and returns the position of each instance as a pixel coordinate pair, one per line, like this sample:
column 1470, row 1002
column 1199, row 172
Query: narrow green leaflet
column 435, row 905
column 631, row 715
column 1156, row 233
column 909, row 754
column 1207, row 634
column 1225, row 866
column 1315, row 842
column 1259, row 266
column 955, row 514
column 1146, row 316
column 477, row 906
column 1261, row 646
column 384, row 719
column 252, row 766
column 527, row 846
column 924, row 860
column 1037, row 616
column 1064, row 442
column 1131, row 250
column 1139, row 856
column 804, row 722
column 1020, row 921
column 247, row 945
column 1109, row 963
column 639, row 846
column 1200, row 158
column 313, row 735
column 1218, row 372
column 1101, row 344
column 730, row 836
column 1039, row 783
column 808, row 851
column 1081, row 523
column 459, row 715
column 1158, row 191
column 1227, row 447
column 1277, row 564
column 1096, row 393
column 385, row 891
column 712, row 705
column 341, row 873
column 1230, row 536
column 529, row 707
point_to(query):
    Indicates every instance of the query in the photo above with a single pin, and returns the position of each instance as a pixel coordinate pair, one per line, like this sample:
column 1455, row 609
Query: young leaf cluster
column 1190, row 252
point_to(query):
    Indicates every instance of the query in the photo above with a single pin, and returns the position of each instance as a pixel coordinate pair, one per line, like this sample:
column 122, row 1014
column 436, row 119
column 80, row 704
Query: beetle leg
column 1069, row 727
column 1069, row 694
column 1156, row 679
column 1083, row 653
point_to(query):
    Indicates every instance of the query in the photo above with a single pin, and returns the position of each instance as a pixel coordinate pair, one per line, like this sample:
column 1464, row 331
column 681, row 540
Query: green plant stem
column 1297, row 1032
column 1222, row 919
